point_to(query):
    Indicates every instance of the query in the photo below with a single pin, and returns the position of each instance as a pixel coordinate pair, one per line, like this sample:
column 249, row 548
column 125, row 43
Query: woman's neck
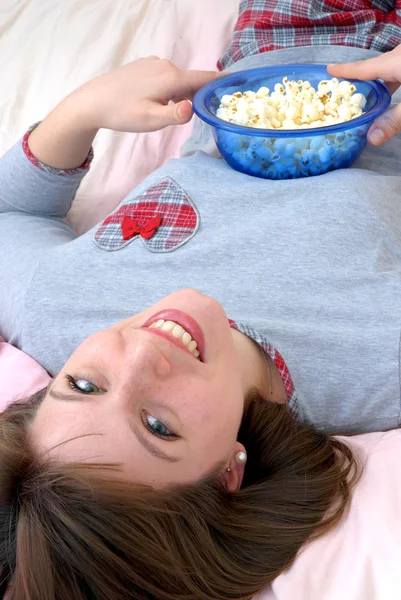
column 258, row 369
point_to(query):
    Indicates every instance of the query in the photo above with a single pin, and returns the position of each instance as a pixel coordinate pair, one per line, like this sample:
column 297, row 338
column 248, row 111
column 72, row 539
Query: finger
column 392, row 86
column 385, row 127
column 161, row 116
column 379, row 67
column 152, row 57
column 190, row 82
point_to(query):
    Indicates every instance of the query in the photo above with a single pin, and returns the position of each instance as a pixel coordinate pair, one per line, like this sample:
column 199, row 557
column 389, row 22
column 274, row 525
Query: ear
column 233, row 478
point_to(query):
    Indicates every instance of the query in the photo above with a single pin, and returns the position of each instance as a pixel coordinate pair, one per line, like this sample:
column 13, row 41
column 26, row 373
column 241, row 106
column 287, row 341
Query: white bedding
column 49, row 47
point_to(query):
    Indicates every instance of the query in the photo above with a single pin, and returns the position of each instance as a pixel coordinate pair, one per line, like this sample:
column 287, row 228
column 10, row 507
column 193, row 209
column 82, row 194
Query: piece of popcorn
column 270, row 111
column 336, row 97
column 275, row 123
column 323, row 87
column 249, row 95
column 262, row 92
column 358, row 100
column 222, row 113
column 346, row 88
column 294, row 111
column 265, row 153
column 279, row 89
column 355, row 111
column 265, row 125
column 309, row 112
column 301, row 143
column 275, row 99
column 229, row 100
column 289, row 124
column 279, row 144
column 319, row 105
column 333, row 84
column 281, row 113
column 242, row 110
column 324, row 155
column 344, row 112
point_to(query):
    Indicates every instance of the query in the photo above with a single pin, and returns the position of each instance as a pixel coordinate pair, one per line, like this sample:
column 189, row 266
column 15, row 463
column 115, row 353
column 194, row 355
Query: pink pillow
column 20, row 375
column 360, row 559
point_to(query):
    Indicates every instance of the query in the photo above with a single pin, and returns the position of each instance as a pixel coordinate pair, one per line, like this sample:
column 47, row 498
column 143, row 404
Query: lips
column 183, row 319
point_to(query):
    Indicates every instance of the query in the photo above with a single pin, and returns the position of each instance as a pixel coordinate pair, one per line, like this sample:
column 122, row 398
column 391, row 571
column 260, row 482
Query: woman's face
column 139, row 395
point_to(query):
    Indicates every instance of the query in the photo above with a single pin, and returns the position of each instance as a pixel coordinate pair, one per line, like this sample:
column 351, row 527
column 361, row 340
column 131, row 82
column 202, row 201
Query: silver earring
column 228, row 470
column 241, row 457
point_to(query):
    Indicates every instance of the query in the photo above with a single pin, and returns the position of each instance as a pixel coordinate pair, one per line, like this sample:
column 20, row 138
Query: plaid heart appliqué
column 165, row 203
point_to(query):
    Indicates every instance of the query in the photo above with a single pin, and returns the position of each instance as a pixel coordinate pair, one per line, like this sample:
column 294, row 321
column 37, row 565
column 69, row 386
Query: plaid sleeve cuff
column 65, row 172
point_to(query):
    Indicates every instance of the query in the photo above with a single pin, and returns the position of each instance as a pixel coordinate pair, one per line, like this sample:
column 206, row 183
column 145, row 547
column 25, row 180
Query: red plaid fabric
column 265, row 25
column 179, row 219
column 276, row 358
column 43, row 167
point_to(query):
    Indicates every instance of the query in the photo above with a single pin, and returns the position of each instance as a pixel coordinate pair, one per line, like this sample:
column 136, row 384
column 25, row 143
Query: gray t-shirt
column 313, row 264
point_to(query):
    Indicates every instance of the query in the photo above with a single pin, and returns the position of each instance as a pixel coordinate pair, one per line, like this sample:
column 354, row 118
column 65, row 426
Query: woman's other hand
column 387, row 67
column 145, row 95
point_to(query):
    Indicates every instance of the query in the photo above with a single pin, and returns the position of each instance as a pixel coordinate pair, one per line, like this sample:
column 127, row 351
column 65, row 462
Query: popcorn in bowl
column 303, row 125
column 294, row 105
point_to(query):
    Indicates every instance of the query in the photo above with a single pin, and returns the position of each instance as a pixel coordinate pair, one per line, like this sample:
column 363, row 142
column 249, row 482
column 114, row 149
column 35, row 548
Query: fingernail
column 377, row 137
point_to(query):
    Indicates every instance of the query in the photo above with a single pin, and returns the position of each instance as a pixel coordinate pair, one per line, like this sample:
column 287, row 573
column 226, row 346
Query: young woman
column 173, row 455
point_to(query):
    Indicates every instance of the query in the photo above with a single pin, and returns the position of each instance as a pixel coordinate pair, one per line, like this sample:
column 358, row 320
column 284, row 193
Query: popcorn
column 262, row 92
column 358, row 100
column 294, row 105
column 344, row 112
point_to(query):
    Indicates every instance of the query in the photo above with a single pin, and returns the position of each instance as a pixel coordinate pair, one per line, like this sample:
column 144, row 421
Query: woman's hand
column 387, row 66
column 136, row 97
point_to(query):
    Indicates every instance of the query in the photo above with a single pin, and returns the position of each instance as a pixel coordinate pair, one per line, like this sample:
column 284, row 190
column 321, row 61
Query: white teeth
column 186, row 338
column 192, row 346
column 178, row 331
column 168, row 326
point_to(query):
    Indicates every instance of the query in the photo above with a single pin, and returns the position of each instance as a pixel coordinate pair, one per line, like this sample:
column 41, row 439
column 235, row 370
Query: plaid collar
column 278, row 360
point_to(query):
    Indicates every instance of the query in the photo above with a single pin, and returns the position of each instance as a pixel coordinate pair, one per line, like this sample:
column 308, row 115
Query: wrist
column 64, row 139
column 80, row 108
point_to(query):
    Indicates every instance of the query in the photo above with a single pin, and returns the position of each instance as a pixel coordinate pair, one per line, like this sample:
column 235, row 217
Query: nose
column 143, row 360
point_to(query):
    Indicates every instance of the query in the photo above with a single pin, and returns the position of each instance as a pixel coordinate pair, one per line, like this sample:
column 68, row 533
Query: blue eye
column 83, row 386
column 158, row 428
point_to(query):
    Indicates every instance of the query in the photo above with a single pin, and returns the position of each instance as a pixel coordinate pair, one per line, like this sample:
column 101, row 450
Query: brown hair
column 70, row 531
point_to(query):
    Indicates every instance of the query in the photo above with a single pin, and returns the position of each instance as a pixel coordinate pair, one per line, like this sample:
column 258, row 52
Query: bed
column 49, row 48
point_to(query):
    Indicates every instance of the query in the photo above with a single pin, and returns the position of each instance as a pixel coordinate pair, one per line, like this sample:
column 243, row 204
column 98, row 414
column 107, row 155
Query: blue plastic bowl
column 288, row 153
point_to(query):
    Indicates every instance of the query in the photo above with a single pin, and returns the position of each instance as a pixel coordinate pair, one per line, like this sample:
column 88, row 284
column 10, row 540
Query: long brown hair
column 74, row 532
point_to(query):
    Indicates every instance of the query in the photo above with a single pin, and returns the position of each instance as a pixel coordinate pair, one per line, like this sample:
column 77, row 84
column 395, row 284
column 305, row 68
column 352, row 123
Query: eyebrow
column 142, row 439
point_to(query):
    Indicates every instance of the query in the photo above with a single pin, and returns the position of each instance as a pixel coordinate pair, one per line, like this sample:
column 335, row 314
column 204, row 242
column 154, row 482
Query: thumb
column 385, row 127
column 380, row 67
column 163, row 115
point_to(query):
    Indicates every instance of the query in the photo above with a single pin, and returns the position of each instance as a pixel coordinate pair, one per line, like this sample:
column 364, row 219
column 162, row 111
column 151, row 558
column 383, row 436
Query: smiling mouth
column 178, row 333
column 181, row 329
